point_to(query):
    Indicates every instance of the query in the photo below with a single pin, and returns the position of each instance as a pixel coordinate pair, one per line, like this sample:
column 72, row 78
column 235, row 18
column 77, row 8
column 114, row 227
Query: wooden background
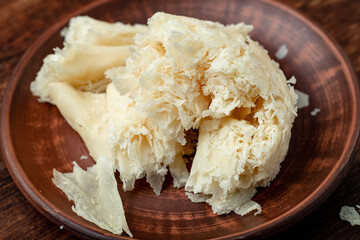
column 22, row 21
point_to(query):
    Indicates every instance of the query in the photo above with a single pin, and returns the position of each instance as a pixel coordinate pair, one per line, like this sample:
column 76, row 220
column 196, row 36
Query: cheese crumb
column 292, row 80
column 61, row 227
column 83, row 157
column 350, row 214
column 315, row 112
column 64, row 31
column 303, row 99
column 95, row 194
column 282, row 52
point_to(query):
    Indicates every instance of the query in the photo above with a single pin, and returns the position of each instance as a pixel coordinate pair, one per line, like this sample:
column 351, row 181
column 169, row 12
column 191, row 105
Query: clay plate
column 36, row 139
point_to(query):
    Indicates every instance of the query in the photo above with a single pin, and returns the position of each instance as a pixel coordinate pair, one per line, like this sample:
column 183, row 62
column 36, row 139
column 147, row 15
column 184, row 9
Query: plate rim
column 271, row 227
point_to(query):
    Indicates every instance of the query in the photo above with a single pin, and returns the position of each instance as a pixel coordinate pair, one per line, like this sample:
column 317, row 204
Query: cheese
column 234, row 157
column 139, row 146
column 95, row 195
column 170, row 62
column 78, row 63
column 350, row 214
column 315, row 111
column 282, row 52
column 185, row 73
column 89, row 31
column 73, row 79
column 87, row 114
column 78, row 66
column 303, row 99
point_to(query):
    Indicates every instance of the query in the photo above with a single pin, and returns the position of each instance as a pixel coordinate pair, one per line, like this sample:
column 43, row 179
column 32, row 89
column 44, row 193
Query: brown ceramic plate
column 36, row 139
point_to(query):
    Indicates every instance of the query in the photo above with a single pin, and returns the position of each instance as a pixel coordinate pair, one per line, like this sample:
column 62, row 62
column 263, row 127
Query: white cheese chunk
column 84, row 111
column 140, row 147
column 350, row 214
column 174, row 75
column 91, row 47
column 182, row 71
column 233, row 157
column 315, row 111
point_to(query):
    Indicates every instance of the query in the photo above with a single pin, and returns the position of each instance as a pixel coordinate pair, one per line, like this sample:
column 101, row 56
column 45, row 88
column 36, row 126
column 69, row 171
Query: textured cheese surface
column 238, row 157
column 86, row 41
column 134, row 92
column 186, row 73
column 138, row 144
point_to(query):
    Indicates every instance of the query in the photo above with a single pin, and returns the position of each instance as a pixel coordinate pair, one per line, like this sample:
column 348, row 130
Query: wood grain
column 21, row 22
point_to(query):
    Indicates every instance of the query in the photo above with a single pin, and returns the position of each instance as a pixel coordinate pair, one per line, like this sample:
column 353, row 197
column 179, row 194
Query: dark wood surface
column 22, row 21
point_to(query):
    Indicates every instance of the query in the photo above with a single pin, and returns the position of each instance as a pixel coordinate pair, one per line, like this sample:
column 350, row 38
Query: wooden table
column 22, row 21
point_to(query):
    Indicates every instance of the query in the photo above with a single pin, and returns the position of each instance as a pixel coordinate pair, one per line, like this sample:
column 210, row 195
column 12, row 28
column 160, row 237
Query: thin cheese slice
column 86, row 113
column 95, row 195
column 91, row 46
column 90, row 31
column 79, row 66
